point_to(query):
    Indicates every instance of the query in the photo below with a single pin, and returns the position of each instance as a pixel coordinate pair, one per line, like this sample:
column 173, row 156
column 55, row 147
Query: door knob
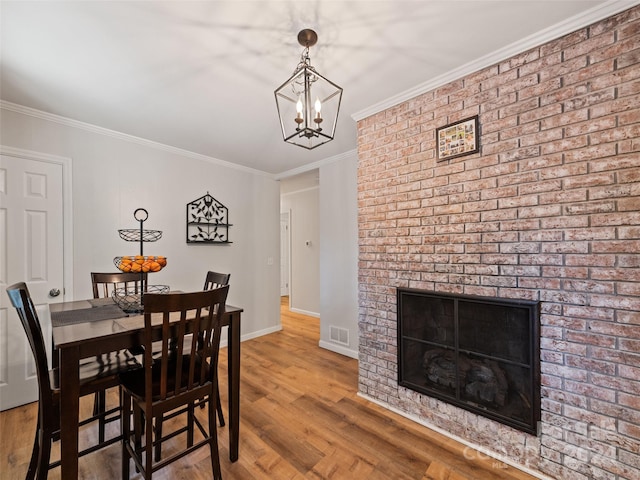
column 54, row 292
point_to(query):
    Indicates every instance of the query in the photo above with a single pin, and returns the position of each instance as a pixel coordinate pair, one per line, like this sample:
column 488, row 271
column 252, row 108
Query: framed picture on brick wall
column 458, row 139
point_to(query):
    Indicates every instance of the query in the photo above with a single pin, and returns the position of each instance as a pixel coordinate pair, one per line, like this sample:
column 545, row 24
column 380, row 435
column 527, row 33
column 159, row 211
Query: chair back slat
column 182, row 314
column 197, row 325
column 105, row 283
column 207, row 345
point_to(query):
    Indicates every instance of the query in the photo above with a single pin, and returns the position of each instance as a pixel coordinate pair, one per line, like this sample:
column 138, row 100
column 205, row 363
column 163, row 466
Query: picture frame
column 458, row 139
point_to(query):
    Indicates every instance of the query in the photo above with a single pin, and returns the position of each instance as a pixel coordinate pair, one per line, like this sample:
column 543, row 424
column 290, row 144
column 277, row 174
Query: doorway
column 299, row 199
column 34, row 226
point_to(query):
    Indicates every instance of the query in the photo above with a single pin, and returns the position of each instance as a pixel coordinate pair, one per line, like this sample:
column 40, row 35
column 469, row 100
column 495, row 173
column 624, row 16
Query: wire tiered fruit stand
column 130, row 299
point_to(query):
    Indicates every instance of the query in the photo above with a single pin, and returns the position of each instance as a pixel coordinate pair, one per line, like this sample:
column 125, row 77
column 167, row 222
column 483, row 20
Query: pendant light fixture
column 308, row 103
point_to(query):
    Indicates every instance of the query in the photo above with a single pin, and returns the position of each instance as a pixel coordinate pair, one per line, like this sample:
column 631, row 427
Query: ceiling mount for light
column 308, row 103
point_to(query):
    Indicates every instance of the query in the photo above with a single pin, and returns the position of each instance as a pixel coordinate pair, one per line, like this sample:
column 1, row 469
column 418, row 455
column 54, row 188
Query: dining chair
column 172, row 382
column 215, row 280
column 94, row 377
column 212, row 280
column 103, row 286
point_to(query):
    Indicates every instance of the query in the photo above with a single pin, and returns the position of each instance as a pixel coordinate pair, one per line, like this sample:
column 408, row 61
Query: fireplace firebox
column 481, row 354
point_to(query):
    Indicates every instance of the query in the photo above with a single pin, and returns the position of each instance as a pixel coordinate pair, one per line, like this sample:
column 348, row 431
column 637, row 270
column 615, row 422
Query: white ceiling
column 200, row 75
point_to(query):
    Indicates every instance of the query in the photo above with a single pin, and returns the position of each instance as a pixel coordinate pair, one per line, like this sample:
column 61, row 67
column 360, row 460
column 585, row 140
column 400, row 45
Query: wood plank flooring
column 301, row 418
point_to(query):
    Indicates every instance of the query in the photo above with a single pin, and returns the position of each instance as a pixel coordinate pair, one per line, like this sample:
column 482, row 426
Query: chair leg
column 138, row 425
column 44, row 453
column 35, row 454
column 190, row 425
column 158, row 447
column 125, row 429
column 219, row 406
column 213, row 441
column 148, row 446
column 96, row 404
column 99, row 407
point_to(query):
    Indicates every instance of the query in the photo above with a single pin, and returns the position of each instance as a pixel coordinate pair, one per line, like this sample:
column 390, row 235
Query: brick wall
column 548, row 210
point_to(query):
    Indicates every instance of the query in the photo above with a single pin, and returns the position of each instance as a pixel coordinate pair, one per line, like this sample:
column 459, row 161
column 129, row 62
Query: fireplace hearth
column 478, row 353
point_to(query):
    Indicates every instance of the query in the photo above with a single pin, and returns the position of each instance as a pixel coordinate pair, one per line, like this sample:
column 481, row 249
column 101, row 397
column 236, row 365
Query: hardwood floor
column 301, row 418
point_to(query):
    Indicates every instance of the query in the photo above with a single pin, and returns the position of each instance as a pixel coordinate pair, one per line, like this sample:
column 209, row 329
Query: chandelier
column 308, row 103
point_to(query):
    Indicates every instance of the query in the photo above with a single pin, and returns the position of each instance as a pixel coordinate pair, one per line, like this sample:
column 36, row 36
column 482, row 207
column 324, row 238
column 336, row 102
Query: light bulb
column 299, row 118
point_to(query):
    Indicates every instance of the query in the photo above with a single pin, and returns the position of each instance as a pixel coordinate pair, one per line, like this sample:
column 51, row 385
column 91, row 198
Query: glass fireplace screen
column 481, row 354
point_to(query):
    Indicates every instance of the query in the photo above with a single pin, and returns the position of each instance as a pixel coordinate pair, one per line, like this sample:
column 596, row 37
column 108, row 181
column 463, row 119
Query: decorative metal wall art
column 207, row 221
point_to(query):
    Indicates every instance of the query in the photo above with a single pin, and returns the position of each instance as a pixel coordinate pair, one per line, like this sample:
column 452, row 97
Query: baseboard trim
column 305, row 312
column 347, row 352
column 481, row 449
column 249, row 336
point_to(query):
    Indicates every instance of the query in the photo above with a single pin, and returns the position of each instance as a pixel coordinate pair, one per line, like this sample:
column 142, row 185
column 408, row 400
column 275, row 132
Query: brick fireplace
column 548, row 211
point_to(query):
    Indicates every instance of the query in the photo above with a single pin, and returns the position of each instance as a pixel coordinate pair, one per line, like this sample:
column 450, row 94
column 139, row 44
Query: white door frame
column 285, row 252
column 67, row 210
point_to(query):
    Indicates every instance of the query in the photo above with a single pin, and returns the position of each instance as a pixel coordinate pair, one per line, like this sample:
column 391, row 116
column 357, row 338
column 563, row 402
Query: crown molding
column 302, row 190
column 14, row 107
column 312, row 166
column 558, row 30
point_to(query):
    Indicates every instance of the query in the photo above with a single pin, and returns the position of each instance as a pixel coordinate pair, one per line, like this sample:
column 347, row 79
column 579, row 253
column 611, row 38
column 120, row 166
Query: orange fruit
column 136, row 267
column 161, row 261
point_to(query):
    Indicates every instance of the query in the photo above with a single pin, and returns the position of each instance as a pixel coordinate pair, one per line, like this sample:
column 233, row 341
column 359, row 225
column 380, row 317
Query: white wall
column 112, row 176
column 339, row 255
column 336, row 218
column 304, row 284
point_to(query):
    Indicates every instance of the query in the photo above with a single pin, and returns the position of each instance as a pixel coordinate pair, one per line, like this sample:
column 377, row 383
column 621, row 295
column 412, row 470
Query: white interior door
column 284, row 254
column 31, row 232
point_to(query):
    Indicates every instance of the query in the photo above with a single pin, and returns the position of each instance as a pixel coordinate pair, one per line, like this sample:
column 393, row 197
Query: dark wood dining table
column 80, row 330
